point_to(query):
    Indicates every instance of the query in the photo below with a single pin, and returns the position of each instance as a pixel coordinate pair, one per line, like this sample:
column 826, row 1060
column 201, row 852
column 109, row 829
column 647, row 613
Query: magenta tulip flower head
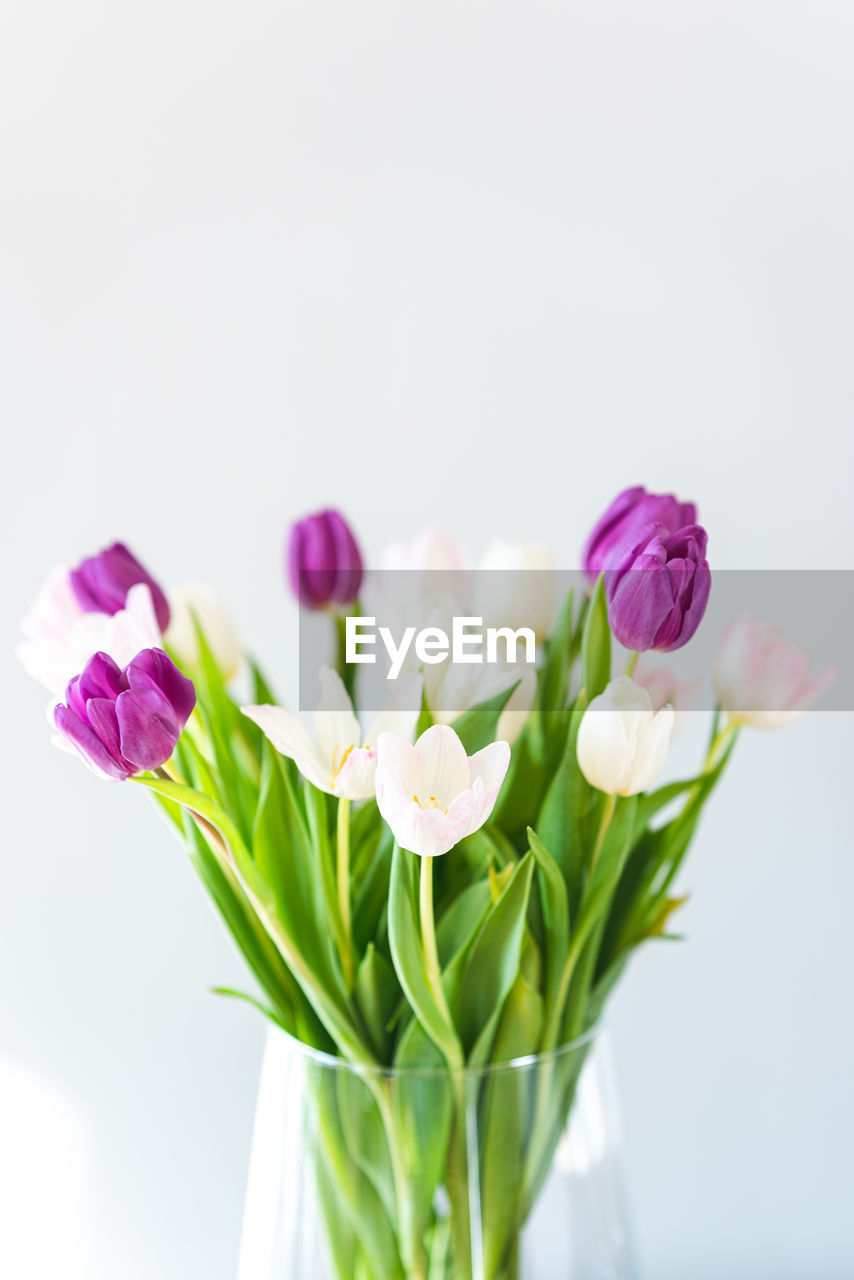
column 324, row 562
column 124, row 722
column 630, row 511
column 101, row 583
column 659, row 588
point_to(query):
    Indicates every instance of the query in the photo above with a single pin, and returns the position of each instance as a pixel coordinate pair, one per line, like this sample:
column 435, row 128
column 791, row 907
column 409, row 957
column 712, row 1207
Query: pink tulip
column 761, row 679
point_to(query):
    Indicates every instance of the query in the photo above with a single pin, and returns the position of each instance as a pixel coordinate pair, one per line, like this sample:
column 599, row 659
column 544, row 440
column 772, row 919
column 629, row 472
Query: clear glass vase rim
column 336, row 1063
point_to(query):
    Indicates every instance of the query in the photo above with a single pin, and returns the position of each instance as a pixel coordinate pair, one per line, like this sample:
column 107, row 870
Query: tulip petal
column 356, row 779
column 652, row 743
column 441, row 768
column 603, row 747
column 489, row 766
column 87, row 744
column 336, row 729
column 148, row 727
column 101, row 716
column 398, row 759
column 289, row 735
column 154, row 669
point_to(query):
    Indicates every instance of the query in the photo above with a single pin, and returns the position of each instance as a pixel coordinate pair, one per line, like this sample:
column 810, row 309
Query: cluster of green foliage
column 536, row 916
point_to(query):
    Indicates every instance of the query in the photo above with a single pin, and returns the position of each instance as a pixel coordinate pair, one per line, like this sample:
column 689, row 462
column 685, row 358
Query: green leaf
column 563, row 823
column 653, row 865
column 245, row 928
column 422, row 1108
column 425, row 718
column 553, row 684
column 653, row 802
column 371, row 889
column 478, row 726
column 358, row 1198
column 462, row 919
column 596, row 644
column 226, row 728
column 268, row 1012
column 590, row 926
column 555, row 909
column 327, row 1002
column 365, row 1136
column 408, row 955
column 504, row 1125
column 289, row 862
column 522, row 791
column 493, row 960
column 339, row 1234
column 262, row 694
column 377, row 995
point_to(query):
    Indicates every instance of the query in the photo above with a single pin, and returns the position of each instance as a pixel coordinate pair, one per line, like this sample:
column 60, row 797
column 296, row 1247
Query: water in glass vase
column 506, row 1173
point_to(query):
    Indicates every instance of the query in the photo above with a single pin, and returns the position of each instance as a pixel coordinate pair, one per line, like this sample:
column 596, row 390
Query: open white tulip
column 622, row 743
column 201, row 602
column 763, row 681
column 335, row 758
column 432, row 794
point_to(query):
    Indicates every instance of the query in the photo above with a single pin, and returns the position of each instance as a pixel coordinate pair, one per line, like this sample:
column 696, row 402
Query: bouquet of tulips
column 460, row 883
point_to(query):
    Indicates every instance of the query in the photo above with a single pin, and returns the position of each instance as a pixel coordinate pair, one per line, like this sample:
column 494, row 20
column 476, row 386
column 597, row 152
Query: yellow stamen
column 432, row 803
column 336, row 767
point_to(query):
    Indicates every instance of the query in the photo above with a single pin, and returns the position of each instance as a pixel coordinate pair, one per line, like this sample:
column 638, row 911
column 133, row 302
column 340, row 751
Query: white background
column 471, row 264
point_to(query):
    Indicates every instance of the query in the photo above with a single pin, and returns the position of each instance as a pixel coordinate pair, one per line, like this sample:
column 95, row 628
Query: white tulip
column 59, row 638
column 199, row 601
column 335, row 758
column 622, row 743
column 432, row 794
column 431, row 551
column 516, row 587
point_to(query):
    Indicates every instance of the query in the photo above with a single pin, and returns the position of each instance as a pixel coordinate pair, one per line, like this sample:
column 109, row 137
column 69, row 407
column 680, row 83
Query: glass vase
column 506, row 1173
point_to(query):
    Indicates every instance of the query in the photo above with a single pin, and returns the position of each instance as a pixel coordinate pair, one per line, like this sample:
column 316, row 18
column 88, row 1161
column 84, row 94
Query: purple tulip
column 658, row 590
column 324, row 561
column 122, row 722
column 101, row 583
column 630, row 511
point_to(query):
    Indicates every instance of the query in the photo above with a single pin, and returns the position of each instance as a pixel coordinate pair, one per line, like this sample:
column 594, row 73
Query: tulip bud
column 629, row 512
column 622, row 744
column 431, row 551
column 101, row 583
column 124, row 722
column 761, row 680
column 522, row 591
column 193, row 604
column 324, row 561
column 658, row 590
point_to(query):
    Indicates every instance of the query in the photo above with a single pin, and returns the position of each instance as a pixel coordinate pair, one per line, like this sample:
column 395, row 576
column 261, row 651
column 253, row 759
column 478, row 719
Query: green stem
column 343, row 879
column 428, row 939
column 412, row 1249
column 718, row 744
column 607, row 815
column 632, row 662
column 458, row 1171
column 347, row 671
